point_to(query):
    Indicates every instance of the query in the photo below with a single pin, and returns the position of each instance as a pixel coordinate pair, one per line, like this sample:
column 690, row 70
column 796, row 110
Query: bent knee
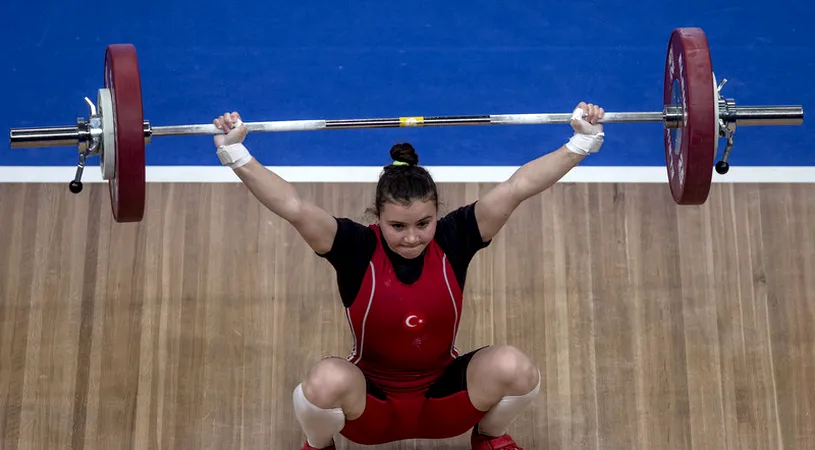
column 330, row 382
column 511, row 369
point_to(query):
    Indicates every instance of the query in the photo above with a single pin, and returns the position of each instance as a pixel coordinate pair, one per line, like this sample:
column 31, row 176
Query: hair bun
column 405, row 153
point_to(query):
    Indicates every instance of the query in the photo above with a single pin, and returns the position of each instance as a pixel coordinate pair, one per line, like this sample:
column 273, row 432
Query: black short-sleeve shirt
column 457, row 234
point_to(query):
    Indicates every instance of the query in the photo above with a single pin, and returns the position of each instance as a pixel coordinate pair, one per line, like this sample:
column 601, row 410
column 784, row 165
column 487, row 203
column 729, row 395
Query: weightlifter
column 401, row 282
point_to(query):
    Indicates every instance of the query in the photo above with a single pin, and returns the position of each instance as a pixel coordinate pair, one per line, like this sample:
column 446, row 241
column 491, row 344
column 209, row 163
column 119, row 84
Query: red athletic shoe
column 308, row 447
column 482, row 442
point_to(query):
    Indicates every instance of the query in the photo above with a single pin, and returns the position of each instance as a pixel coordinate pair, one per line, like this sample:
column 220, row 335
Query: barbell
column 694, row 115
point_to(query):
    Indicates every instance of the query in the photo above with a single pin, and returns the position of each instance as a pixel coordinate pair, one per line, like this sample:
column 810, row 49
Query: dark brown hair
column 404, row 181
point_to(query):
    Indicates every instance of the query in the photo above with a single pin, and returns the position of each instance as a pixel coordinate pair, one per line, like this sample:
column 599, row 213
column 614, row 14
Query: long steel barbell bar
column 401, row 122
column 671, row 117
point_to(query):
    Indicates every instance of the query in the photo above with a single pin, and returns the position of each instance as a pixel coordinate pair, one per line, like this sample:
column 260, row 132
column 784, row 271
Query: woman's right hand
column 233, row 126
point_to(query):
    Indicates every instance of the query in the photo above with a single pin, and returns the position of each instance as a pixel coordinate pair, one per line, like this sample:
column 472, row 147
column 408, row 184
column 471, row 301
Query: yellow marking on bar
column 411, row 121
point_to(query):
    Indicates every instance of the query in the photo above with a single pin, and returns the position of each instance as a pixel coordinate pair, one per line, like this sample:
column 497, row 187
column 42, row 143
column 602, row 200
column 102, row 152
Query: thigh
column 334, row 382
column 454, row 378
column 499, row 371
column 448, row 410
column 376, row 424
column 448, row 417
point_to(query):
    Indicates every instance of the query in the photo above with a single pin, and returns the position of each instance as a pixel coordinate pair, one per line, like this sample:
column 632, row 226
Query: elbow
column 520, row 188
column 291, row 210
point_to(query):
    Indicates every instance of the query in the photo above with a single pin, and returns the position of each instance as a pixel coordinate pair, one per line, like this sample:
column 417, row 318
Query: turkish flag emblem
column 414, row 321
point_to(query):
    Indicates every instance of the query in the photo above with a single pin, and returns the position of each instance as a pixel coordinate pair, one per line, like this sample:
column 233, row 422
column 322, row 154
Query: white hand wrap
column 587, row 139
column 234, row 155
column 583, row 144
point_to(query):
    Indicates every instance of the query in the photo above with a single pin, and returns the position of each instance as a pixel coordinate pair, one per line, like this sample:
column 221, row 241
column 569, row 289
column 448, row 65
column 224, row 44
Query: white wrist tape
column 583, row 144
column 234, row 155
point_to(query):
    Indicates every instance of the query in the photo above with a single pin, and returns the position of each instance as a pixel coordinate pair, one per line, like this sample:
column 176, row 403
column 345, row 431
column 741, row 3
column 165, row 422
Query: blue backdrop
column 310, row 60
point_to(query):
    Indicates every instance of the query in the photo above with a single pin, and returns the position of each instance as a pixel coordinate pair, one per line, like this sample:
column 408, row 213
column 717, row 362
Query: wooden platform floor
column 655, row 327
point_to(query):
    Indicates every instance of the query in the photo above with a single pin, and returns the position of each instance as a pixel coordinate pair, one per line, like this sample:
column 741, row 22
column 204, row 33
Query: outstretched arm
column 315, row 225
column 493, row 210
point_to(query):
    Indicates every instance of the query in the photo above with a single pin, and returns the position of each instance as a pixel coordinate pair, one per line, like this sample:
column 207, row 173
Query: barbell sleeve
column 44, row 137
column 763, row 115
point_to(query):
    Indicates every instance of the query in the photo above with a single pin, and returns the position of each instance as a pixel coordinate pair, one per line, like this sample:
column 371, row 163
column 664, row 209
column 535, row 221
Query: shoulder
column 460, row 224
column 458, row 234
column 350, row 254
column 459, row 237
column 352, row 239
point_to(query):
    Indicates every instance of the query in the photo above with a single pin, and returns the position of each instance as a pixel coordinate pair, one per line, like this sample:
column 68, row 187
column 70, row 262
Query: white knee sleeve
column 498, row 419
column 319, row 425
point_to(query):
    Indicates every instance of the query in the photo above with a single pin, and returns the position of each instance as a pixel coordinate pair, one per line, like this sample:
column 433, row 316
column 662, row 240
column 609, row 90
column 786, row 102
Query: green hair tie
column 400, row 163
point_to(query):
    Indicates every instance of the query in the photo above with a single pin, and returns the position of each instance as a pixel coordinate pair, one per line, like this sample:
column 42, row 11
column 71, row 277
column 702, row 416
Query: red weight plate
column 690, row 149
column 127, row 188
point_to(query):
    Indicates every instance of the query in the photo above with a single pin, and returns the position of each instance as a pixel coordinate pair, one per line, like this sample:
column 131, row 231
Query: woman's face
column 408, row 229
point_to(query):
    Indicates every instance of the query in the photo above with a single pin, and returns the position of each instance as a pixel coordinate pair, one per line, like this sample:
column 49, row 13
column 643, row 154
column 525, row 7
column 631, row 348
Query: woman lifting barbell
column 401, row 282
